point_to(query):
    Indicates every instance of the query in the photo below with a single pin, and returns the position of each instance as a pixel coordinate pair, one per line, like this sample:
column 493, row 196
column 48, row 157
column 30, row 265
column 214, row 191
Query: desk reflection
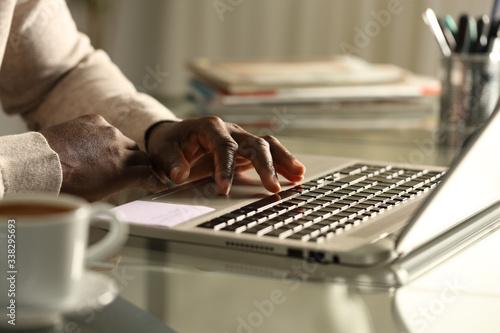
column 458, row 296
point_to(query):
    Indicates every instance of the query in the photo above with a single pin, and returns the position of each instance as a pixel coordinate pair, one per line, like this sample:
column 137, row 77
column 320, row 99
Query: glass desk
column 190, row 293
column 459, row 295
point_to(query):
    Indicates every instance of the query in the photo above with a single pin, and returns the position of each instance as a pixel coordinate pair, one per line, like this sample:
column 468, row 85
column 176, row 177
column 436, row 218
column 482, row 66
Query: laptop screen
column 471, row 185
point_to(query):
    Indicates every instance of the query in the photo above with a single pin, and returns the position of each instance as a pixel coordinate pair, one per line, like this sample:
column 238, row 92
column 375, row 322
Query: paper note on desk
column 160, row 213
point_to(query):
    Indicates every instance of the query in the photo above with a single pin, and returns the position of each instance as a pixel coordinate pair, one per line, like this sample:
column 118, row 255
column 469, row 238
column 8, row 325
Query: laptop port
column 317, row 256
column 296, row 253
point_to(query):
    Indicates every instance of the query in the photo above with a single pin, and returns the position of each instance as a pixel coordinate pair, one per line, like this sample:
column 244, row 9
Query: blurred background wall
column 162, row 35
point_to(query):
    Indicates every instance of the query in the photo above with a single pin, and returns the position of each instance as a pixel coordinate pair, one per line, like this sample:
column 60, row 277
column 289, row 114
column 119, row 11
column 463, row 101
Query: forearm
column 50, row 74
column 96, row 85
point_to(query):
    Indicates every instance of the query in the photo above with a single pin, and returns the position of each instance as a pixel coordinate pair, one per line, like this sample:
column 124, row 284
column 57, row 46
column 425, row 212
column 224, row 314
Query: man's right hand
column 98, row 160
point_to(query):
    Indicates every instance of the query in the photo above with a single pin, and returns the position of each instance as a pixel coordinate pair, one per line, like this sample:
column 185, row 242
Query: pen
column 450, row 23
column 473, row 34
column 463, row 38
column 494, row 11
column 492, row 34
column 483, row 31
column 494, row 42
column 431, row 20
column 448, row 34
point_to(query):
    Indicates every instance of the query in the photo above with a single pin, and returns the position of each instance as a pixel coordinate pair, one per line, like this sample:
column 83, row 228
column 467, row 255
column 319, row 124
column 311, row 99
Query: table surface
column 460, row 295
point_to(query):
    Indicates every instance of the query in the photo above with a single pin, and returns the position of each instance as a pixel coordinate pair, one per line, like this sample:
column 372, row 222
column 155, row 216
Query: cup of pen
column 470, row 90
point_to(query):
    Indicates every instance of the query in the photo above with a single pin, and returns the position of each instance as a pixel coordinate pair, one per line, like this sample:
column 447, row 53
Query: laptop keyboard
column 322, row 208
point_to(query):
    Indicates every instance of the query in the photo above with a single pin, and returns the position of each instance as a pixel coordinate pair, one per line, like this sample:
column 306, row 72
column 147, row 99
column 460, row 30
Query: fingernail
column 179, row 175
column 297, row 163
column 225, row 187
column 174, row 173
column 183, row 176
column 276, row 181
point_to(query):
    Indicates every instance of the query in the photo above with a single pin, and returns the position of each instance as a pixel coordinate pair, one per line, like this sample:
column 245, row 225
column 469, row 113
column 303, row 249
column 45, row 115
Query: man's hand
column 208, row 146
column 98, row 160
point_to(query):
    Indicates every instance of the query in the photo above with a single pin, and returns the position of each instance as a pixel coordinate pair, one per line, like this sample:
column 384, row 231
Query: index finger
column 214, row 137
column 257, row 150
column 284, row 162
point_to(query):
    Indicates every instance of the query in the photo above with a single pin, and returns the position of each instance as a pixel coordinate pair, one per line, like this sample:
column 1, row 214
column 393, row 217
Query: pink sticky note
column 160, row 213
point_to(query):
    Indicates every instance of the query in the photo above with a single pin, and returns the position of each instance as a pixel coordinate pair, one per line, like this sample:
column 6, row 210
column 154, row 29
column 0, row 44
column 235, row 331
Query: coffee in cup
column 44, row 252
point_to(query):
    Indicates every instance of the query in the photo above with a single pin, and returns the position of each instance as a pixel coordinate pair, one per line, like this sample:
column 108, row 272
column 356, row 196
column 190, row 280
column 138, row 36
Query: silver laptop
column 351, row 213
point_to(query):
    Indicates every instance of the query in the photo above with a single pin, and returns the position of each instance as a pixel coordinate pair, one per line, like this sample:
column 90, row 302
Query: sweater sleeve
column 51, row 73
column 27, row 165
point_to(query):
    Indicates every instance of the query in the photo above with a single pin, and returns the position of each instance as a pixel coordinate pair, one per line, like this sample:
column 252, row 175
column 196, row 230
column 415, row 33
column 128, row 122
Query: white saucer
column 93, row 292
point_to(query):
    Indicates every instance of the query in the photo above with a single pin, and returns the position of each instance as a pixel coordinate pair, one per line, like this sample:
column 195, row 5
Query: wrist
column 150, row 129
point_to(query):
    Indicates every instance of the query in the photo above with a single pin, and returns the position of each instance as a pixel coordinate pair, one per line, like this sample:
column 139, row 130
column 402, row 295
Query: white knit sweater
column 49, row 74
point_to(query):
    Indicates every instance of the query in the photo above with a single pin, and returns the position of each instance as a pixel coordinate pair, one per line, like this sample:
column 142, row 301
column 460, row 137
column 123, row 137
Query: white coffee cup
column 44, row 252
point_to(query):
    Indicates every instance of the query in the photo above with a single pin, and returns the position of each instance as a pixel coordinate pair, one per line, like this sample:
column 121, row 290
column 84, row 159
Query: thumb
column 143, row 177
column 173, row 163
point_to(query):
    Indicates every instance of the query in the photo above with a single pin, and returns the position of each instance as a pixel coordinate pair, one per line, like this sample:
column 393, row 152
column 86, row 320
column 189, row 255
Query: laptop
column 352, row 213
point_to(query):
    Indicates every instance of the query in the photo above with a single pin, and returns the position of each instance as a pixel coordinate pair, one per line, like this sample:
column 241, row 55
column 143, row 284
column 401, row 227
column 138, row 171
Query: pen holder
column 470, row 90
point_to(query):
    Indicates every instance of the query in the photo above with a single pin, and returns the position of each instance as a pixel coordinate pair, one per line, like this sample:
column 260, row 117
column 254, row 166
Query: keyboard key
column 348, row 202
column 297, row 189
column 271, row 200
column 281, row 233
column 311, row 184
column 306, row 223
column 295, row 226
column 399, row 199
column 373, row 191
column 323, row 202
column 259, row 217
column 355, row 209
column 287, row 205
column 354, row 188
column 353, row 179
column 322, row 191
column 297, row 213
column 260, row 229
column 320, row 239
column 215, row 224
column 237, row 227
column 302, row 235
column 387, row 195
column 277, row 209
column 351, row 170
column 318, row 210
column 372, row 201
column 362, row 205
column 296, row 201
column 347, row 215
column 370, row 213
column 338, row 230
column 377, row 209
column 285, row 218
column 366, row 183
column 333, row 186
column 393, row 202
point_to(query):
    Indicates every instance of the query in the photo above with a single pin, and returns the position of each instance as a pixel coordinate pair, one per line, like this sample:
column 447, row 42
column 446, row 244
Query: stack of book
column 339, row 92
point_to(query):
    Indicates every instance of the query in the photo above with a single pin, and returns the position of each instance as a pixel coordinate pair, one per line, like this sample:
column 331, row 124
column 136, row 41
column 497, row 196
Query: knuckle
column 270, row 139
column 114, row 150
column 112, row 133
column 234, row 127
column 94, row 118
column 115, row 132
column 214, row 120
column 262, row 143
column 229, row 145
